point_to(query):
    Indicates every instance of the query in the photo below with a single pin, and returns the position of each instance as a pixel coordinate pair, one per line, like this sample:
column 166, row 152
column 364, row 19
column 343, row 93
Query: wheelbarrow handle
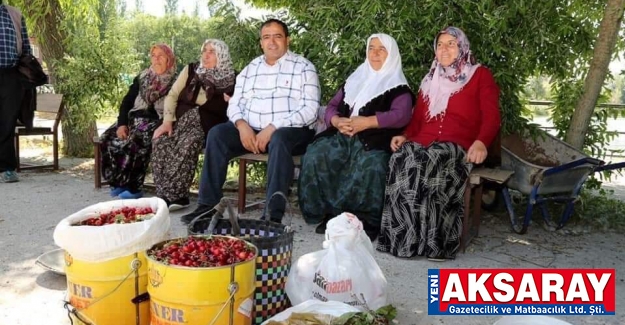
column 610, row 167
column 573, row 164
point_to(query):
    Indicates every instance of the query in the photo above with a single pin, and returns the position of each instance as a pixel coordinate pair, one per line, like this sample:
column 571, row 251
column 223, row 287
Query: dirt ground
column 31, row 208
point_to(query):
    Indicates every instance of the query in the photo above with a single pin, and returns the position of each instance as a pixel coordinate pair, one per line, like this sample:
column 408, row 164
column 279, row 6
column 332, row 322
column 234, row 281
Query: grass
column 595, row 210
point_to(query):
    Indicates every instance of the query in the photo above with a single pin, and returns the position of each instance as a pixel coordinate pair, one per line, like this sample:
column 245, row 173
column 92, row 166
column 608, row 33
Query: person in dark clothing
column 11, row 90
column 126, row 145
column 195, row 104
column 344, row 169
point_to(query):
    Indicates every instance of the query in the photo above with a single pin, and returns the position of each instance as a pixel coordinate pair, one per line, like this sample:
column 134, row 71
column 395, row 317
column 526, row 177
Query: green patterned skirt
column 338, row 175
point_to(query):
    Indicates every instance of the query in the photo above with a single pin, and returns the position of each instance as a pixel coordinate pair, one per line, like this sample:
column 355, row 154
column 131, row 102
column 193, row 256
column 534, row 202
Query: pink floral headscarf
column 153, row 86
column 443, row 82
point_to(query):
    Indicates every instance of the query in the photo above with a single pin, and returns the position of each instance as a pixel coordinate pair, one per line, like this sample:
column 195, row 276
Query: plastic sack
column 333, row 308
column 99, row 244
column 344, row 268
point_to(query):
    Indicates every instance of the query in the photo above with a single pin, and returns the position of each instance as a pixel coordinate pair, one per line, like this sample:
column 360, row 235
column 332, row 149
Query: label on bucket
column 246, row 307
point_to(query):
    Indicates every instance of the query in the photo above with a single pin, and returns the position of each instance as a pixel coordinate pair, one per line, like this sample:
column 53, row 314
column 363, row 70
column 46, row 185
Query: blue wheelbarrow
column 545, row 169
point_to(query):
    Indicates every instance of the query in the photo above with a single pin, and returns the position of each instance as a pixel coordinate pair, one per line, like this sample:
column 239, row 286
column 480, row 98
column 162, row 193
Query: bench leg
column 466, row 227
column 477, row 209
column 55, row 149
column 97, row 177
column 242, row 185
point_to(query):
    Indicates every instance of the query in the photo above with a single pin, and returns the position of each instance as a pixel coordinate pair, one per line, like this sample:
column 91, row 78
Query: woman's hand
column 477, row 152
column 397, row 141
column 166, row 128
column 122, row 132
column 343, row 124
column 361, row 123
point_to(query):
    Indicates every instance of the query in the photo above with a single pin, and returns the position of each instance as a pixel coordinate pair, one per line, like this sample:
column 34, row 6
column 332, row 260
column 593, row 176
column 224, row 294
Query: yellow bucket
column 207, row 296
column 101, row 293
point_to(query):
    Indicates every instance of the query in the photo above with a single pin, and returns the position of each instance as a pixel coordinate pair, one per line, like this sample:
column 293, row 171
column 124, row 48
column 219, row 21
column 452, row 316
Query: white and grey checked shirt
column 285, row 94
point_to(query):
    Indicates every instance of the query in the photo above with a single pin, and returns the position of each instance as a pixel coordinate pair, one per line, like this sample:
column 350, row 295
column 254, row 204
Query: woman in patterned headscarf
column 126, row 146
column 455, row 120
column 196, row 103
column 344, row 169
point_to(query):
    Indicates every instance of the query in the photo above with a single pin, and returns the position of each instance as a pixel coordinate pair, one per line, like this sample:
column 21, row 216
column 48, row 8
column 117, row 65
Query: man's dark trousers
column 11, row 93
column 224, row 143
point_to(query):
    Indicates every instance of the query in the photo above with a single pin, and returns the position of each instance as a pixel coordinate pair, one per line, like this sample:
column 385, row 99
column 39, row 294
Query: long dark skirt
column 424, row 203
column 175, row 158
column 339, row 175
column 125, row 162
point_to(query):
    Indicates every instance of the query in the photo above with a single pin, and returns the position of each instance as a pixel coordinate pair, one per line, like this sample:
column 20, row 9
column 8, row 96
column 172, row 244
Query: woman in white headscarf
column 455, row 120
column 195, row 103
column 344, row 169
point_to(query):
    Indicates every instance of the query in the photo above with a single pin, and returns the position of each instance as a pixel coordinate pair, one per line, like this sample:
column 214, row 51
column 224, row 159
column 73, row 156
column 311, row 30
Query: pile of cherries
column 197, row 251
column 123, row 215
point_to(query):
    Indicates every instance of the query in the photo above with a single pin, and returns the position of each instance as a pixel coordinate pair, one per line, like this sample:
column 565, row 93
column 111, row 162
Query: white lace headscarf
column 366, row 83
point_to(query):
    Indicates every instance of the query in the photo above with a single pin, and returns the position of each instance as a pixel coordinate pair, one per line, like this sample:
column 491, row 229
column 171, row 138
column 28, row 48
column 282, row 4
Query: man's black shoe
column 371, row 231
column 321, row 228
column 200, row 210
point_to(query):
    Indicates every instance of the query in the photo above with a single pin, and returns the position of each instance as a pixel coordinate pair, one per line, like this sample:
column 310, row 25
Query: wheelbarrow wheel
column 518, row 224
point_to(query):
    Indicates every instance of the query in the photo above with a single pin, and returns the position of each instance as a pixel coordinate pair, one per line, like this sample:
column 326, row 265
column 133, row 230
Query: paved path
column 32, row 208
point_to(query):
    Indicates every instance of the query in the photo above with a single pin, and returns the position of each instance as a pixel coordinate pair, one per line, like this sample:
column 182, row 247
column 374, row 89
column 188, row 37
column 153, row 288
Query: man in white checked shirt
column 272, row 111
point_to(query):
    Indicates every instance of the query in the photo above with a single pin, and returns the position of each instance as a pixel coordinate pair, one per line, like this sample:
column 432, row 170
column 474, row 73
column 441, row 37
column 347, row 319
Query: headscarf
column 441, row 83
column 366, row 84
column 153, row 86
column 222, row 76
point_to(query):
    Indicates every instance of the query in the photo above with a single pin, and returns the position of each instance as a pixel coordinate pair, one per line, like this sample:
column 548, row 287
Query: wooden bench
column 487, row 172
column 242, row 191
column 49, row 107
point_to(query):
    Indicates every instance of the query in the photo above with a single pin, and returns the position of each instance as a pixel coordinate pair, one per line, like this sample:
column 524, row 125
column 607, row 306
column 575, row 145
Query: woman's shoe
column 179, row 204
column 438, row 258
column 371, row 231
column 129, row 195
column 116, row 191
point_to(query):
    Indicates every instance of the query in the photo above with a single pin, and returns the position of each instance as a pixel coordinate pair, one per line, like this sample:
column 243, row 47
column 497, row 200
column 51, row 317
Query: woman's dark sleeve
column 128, row 102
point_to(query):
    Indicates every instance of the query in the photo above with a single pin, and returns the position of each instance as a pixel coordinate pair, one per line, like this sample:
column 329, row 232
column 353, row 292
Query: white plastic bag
column 333, row 308
column 346, row 266
column 99, row 244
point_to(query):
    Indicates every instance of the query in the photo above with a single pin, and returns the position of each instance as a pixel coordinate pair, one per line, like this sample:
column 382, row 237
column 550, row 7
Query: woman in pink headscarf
column 455, row 119
column 127, row 145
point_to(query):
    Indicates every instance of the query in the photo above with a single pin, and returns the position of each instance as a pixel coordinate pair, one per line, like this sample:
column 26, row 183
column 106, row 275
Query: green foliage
column 383, row 316
column 242, row 36
column 90, row 74
column 184, row 34
column 601, row 210
column 598, row 137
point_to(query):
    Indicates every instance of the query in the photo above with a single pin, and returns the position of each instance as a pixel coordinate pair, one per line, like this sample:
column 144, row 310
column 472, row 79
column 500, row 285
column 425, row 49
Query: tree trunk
column 46, row 19
column 46, row 27
column 77, row 142
column 604, row 46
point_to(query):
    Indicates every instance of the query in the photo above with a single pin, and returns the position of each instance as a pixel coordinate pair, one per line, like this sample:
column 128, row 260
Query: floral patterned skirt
column 175, row 158
column 125, row 162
